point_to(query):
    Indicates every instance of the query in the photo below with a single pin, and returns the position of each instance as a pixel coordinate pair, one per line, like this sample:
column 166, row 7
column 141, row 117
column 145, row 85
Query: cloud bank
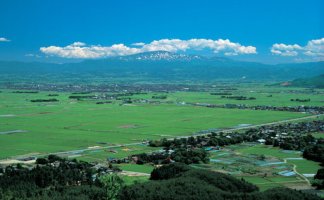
column 82, row 50
column 313, row 48
column 2, row 39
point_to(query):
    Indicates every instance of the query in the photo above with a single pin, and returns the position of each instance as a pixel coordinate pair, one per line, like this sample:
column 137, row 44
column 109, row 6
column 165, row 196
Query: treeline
column 180, row 182
column 298, row 143
column 220, row 93
column 159, row 97
column 201, row 141
column 238, row 97
column 44, row 100
column 308, row 109
column 81, row 92
column 79, row 97
column 25, row 92
column 103, row 102
column 315, row 152
column 52, row 178
column 181, row 155
column 300, row 100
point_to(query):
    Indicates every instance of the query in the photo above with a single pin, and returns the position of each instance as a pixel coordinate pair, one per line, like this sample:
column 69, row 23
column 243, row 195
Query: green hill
column 313, row 82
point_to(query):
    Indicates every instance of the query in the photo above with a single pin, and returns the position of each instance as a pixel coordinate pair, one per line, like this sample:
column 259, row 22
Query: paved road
column 259, row 125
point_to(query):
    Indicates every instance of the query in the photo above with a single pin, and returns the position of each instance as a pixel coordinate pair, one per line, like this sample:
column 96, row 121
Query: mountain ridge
column 169, row 66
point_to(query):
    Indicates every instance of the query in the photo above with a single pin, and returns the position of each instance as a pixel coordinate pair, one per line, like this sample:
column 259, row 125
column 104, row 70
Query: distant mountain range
column 164, row 65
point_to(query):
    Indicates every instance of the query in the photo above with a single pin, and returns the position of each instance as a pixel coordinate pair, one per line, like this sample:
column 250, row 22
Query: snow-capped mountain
column 168, row 66
column 160, row 56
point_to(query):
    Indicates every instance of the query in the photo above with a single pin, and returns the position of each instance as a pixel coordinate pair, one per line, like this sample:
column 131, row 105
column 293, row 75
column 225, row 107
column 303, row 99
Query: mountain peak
column 160, row 56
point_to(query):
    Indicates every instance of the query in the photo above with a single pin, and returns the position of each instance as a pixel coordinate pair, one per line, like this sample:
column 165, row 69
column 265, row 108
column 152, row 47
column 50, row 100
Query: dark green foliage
column 220, row 93
column 285, row 194
column 44, row 100
column 78, row 97
column 168, row 171
column 180, row 182
column 189, row 184
column 56, row 178
column 41, row 161
column 239, row 97
column 189, row 156
column 156, row 158
column 25, row 92
column 53, row 158
column 82, row 192
column 300, row 100
column 181, row 155
column 315, row 152
column 320, row 174
column 159, row 96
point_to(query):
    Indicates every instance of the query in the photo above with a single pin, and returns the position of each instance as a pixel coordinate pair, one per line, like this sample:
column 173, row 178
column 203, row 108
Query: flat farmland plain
column 28, row 127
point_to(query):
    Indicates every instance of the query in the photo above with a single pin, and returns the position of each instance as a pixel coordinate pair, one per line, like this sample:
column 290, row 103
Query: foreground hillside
column 56, row 178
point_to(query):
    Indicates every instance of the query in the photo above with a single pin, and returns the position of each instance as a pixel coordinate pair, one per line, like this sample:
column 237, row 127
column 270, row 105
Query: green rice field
column 30, row 128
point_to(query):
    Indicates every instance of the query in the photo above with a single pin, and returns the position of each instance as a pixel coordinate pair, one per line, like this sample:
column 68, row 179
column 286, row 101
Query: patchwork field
column 37, row 127
column 275, row 96
column 264, row 166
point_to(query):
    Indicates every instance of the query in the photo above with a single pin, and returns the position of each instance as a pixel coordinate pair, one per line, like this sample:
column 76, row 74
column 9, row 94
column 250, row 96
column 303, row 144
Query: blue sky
column 46, row 30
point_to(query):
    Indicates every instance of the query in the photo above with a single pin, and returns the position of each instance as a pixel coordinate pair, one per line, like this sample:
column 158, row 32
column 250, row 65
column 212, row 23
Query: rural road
column 259, row 125
column 299, row 174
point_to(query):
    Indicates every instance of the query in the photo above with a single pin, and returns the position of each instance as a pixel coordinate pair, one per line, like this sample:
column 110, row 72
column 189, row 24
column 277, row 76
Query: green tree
column 112, row 184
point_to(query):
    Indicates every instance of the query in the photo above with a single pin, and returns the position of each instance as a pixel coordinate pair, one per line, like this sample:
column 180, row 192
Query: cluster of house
column 113, row 88
column 304, row 109
column 291, row 129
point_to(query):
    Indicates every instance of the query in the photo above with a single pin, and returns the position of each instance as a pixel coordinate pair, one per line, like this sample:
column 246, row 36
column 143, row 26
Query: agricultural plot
column 129, row 180
column 32, row 128
column 102, row 155
column 264, row 96
column 318, row 135
column 265, row 183
column 145, row 169
column 263, row 165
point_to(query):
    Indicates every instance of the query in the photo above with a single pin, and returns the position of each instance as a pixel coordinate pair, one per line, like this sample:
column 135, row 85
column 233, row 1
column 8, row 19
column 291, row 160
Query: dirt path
column 299, row 174
column 130, row 173
column 283, row 182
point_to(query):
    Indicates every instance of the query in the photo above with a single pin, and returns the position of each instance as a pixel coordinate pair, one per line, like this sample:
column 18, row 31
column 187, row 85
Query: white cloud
column 138, row 44
column 285, row 50
column 314, row 48
column 81, row 50
column 217, row 46
column 2, row 39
